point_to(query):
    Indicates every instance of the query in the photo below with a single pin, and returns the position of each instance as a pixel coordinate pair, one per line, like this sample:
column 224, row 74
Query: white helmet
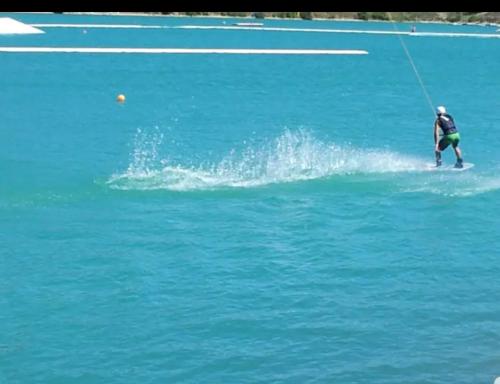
column 440, row 110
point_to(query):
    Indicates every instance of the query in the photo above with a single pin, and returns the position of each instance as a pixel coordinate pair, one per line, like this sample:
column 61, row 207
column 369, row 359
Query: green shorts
column 452, row 139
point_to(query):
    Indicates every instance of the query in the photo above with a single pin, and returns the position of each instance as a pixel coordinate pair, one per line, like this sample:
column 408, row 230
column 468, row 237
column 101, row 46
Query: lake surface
column 247, row 218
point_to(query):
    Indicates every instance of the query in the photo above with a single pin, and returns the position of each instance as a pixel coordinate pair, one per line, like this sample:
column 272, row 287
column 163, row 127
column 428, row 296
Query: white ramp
column 188, row 50
column 10, row 26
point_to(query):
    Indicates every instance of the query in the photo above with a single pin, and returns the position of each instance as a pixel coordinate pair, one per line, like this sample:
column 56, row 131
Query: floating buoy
column 120, row 98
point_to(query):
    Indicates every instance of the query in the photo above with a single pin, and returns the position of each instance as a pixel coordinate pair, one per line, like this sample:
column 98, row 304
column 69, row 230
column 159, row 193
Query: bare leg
column 458, row 153
column 438, row 158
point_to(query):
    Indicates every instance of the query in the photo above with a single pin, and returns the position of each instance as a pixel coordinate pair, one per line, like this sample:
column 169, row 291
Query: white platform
column 186, row 50
column 10, row 26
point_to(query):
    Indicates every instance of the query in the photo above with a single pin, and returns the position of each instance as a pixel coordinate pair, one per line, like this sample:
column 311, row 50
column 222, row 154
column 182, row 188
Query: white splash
column 293, row 156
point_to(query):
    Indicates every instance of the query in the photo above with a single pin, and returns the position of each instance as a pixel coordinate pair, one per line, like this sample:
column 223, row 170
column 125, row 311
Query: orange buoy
column 120, row 98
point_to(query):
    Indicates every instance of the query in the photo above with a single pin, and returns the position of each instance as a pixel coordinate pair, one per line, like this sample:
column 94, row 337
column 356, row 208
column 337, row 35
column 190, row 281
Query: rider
column 445, row 122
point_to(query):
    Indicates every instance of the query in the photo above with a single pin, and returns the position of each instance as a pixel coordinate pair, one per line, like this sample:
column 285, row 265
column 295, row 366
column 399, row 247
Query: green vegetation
column 452, row 17
column 373, row 15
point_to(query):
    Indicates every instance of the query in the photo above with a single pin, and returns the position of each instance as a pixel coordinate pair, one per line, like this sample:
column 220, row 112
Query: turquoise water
column 247, row 218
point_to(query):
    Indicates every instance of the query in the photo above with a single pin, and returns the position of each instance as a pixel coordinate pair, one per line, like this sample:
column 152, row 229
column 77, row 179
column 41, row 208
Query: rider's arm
column 436, row 132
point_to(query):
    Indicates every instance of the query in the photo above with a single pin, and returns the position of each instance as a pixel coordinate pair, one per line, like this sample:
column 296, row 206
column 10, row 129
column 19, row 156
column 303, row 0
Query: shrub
column 306, row 15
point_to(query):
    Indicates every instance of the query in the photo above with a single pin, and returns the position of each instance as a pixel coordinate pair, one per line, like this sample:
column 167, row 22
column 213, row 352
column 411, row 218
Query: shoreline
column 218, row 16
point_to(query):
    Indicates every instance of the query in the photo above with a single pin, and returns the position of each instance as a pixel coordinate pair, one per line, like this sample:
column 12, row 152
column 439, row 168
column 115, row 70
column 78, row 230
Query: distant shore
column 453, row 18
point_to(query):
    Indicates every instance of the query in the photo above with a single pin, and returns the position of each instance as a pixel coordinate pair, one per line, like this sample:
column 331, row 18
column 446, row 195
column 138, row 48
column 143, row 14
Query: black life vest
column 447, row 124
